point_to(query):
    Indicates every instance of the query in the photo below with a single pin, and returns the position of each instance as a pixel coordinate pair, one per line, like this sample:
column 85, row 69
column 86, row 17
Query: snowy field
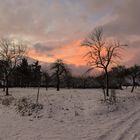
column 74, row 114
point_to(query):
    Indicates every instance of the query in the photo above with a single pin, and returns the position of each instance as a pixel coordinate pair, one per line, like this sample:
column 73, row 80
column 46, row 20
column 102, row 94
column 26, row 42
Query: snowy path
column 128, row 128
column 93, row 122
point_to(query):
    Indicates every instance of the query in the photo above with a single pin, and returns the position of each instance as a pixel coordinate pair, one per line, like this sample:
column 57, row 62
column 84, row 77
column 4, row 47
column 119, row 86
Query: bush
column 26, row 107
column 6, row 100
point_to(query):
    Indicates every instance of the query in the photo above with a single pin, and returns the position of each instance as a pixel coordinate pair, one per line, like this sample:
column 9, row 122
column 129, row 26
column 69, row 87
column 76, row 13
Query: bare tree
column 37, row 78
column 60, row 69
column 134, row 74
column 11, row 52
column 102, row 53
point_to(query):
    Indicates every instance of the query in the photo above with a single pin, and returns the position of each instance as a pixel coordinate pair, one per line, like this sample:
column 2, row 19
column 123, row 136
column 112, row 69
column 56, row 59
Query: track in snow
column 128, row 128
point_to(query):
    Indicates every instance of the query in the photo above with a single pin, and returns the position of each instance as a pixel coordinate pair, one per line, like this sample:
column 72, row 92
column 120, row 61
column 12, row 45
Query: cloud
column 78, row 70
column 55, row 26
column 42, row 48
column 35, row 18
column 127, row 21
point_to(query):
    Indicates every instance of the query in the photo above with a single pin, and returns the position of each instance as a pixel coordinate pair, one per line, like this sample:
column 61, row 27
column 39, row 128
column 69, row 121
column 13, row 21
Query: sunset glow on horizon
column 71, row 53
column 56, row 28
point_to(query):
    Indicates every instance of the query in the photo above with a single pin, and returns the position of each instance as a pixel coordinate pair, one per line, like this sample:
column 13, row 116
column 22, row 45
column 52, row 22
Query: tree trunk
column 107, row 83
column 104, row 93
column 133, row 85
column 120, row 86
column 84, row 84
column 58, row 82
column 47, row 85
column 7, row 86
column 4, row 85
column 37, row 98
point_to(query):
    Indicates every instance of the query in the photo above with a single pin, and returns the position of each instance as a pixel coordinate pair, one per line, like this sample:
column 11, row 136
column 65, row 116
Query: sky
column 54, row 29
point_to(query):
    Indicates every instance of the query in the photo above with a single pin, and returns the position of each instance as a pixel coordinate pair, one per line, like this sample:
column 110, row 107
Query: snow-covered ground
column 74, row 114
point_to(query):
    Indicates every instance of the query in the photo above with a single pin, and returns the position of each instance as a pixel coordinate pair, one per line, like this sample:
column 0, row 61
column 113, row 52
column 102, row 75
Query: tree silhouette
column 2, row 76
column 118, row 75
column 24, row 72
column 102, row 53
column 46, row 79
column 11, row 53
column 36, row 70
column 134, row 74
column 37, row 77
column 59, row 70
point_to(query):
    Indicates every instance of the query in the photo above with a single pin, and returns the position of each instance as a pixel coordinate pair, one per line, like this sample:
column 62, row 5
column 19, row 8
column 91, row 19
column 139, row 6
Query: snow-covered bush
column 6, row 100
column 26, row 107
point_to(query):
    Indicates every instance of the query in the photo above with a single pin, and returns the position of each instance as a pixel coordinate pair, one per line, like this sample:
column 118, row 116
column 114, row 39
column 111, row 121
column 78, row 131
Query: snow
column 75, row 114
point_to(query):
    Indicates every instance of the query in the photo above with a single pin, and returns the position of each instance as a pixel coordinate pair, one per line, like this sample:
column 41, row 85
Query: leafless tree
column 102, row 53
column 11, row 52
column 59, row 70
column 134, row 75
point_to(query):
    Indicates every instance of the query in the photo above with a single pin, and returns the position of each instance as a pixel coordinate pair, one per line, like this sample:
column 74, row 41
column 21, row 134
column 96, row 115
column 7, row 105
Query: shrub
column 6, row 100
column 26, row 107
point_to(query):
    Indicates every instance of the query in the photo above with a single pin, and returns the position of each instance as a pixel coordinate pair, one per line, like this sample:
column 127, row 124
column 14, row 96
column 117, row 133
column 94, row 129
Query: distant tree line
column 59, row 75
column 120, row 77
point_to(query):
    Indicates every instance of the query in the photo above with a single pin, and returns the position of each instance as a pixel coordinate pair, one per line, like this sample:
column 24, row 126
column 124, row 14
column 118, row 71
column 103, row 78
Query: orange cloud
column 39, row 56
column 72, row 53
